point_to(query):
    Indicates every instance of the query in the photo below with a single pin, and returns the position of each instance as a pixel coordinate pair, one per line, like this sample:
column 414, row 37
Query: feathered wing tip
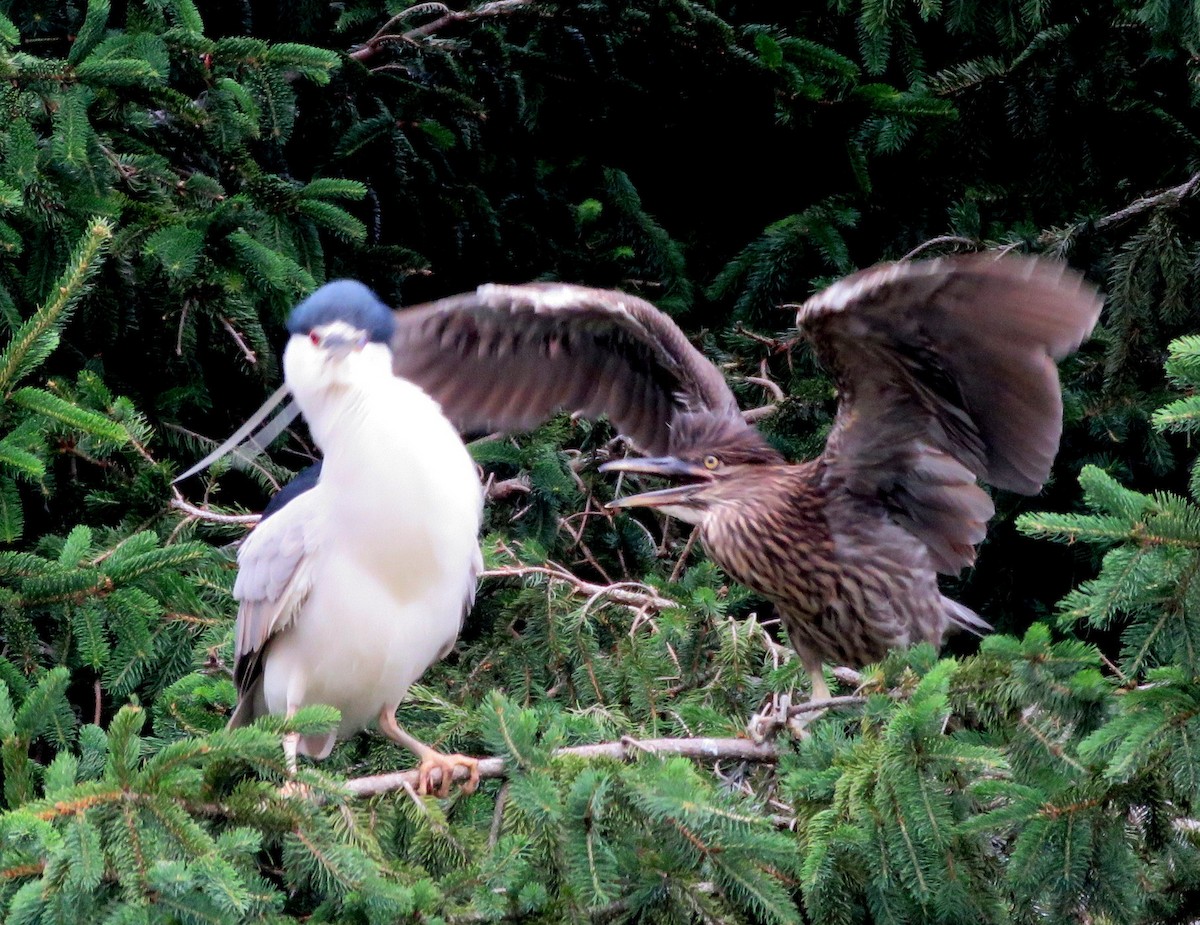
column 1000, row 328
column 317, row 747
column 941, row 503
column 243, row 713
column 947, row 376
column 977, row 335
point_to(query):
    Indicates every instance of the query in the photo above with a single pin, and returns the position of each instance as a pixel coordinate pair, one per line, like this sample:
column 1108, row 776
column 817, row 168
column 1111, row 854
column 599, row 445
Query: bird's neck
column 338, row 405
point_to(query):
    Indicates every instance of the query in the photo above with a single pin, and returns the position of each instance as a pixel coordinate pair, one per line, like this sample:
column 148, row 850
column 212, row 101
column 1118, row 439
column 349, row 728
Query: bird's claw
column 776, row 715
column 439, row 768
column 773, row 716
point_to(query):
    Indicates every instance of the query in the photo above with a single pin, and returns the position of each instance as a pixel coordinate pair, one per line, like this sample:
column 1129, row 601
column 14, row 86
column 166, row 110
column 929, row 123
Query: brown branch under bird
column 946, row 378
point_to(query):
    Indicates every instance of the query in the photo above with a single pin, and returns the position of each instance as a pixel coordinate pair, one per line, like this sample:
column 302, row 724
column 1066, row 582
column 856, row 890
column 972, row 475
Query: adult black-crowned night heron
column 946, row 377
column 360, row 573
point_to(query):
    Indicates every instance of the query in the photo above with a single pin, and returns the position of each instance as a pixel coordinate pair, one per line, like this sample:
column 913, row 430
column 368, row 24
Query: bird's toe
column 437, row 772
column 767, row 721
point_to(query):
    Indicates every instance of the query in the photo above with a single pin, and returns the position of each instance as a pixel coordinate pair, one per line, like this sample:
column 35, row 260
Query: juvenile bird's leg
column 431, row 758
column 820, row 691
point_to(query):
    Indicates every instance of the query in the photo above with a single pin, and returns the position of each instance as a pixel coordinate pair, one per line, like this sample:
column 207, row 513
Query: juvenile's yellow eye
column 711, row 462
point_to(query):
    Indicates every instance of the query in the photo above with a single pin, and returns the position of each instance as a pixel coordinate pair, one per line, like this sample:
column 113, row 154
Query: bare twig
column 763, row 380
column 752, row 415
column 677, row 571
column 1168, row 197
column 770, row 385
column 498, row 816
column 700, row 749
column 957, row 240
column 187, row 306
column 250, row 355
column 201, row 513
column 386, row 35
column 495, row 491
column 816, row 706
column 629, row 594
column 775, row 344
column 783, row 713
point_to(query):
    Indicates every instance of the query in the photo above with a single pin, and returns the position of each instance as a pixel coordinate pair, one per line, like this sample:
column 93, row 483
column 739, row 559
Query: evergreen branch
column 51, row 406
column 34, row 339
column 628, row 748
column 82, row 803
column 33, row 869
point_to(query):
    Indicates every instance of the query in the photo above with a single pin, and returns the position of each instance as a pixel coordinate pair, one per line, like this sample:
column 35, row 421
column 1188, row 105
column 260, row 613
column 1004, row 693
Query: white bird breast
column 397, row 549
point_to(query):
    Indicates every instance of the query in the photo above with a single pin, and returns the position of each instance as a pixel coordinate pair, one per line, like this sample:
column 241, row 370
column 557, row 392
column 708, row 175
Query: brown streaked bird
column 946, row 378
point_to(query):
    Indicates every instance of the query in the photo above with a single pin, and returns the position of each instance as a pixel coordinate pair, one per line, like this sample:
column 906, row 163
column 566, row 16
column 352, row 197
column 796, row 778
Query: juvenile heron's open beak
column 667, row 467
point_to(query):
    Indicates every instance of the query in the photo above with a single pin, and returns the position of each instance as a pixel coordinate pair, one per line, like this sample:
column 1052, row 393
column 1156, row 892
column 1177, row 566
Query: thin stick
column 957, row 240
column 700, row 749
column 212, row 516
column 621, row 594
column 250, row 355
column 386, row 36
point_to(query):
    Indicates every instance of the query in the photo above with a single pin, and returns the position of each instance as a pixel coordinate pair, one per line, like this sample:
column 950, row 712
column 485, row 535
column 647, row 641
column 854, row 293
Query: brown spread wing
column 508, row 357
column 946, row 374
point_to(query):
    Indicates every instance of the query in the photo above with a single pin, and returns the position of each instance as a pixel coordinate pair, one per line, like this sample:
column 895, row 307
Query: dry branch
column 700, row 749
column 386, row 35
column 201, row 513
column 627, row 593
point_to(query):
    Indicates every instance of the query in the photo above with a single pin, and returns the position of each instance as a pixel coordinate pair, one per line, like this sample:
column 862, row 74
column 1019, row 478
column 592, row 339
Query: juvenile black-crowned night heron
column 359, row 576
column 946, row 377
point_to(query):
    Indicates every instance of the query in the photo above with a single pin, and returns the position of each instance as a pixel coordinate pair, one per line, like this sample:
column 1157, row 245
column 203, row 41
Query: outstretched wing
column 945, row 371
column 508, row 357
column 273, row 582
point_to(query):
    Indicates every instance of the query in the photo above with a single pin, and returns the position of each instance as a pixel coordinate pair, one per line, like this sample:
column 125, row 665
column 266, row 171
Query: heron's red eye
column 315, row 338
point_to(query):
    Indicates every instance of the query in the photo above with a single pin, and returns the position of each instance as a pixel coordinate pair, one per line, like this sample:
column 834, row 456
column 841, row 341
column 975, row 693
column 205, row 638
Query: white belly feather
column 397, row 563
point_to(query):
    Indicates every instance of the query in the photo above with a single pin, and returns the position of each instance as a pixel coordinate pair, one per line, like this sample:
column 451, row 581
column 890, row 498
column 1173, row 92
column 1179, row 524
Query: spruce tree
column 174, row 175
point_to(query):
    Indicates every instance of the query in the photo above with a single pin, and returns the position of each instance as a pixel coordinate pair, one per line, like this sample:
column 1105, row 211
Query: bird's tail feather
column 964, row 618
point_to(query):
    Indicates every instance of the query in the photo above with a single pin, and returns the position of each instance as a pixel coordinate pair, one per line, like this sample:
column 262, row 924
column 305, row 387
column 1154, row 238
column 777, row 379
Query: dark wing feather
column 508, row 357
column 946, row 374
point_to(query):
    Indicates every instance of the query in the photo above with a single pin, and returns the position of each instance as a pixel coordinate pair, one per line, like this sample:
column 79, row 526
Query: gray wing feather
column 508, row 357
column 946, row 374
column 274, row 579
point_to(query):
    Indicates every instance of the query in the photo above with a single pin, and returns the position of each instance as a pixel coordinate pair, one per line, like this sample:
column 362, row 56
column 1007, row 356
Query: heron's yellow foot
column 437, row 768
column 431, row 759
